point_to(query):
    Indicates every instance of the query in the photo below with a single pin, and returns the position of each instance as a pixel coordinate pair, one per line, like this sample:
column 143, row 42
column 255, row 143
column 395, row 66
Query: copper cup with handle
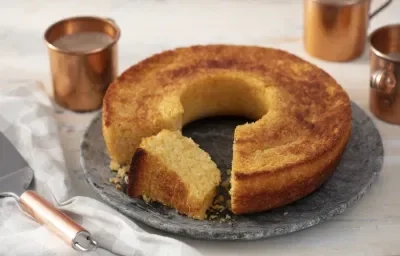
column 385, row 73
column 336, row 30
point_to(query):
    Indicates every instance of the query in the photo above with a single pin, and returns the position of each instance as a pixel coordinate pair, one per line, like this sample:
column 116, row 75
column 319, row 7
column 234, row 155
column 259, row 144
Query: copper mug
column 385, row 73
column 83, row 60
column 336, row 30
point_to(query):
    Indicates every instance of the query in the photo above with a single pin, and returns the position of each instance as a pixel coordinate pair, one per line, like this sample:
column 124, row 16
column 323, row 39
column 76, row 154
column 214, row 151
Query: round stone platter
column 358, row 168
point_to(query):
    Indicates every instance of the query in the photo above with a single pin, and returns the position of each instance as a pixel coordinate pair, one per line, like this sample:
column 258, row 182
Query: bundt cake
column 302, row 115
column 173, row 170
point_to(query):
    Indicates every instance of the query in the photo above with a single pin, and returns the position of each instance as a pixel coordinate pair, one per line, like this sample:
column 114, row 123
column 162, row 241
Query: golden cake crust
column 303, row 115
column 178, row 196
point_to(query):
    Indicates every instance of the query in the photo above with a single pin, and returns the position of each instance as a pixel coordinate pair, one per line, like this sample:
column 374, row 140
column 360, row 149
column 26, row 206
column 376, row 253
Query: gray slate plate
column 359, row 166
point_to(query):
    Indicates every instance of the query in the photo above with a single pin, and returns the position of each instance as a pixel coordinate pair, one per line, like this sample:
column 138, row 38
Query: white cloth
column 26, row 118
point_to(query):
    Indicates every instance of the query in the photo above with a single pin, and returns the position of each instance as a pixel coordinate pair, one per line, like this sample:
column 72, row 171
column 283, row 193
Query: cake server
column 15, row 178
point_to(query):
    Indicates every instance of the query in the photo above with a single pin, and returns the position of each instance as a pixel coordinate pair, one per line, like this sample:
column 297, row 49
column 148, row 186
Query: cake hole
column 223, row 96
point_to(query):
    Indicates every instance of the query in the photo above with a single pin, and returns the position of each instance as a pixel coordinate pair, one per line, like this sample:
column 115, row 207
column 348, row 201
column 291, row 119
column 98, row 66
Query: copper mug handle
column 383, row 81
column 63, row 226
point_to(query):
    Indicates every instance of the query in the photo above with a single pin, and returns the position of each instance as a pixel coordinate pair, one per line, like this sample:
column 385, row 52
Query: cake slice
column 173, row 170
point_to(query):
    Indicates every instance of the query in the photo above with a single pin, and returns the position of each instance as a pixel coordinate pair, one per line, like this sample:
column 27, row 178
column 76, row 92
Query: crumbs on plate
column 120, row 174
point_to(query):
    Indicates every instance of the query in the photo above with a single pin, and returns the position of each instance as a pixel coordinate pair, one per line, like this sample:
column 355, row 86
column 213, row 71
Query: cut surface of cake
column 173, row 170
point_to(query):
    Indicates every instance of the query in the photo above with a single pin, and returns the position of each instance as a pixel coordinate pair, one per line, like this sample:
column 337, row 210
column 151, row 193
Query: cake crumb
column 226, row 184
column 218, row 207
column 285, row 213
column 123, row 171
column 114, row 180
column 212, row 217
column 219, row 199
column 146, row 198
column 122, row 174
column 114, row 166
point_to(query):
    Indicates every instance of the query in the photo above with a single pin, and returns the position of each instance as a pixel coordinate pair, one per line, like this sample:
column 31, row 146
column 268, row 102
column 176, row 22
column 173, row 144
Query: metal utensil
column 15, row 178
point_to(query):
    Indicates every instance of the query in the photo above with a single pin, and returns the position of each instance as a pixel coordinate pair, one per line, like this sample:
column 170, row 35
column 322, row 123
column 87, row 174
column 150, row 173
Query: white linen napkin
column 26, row 118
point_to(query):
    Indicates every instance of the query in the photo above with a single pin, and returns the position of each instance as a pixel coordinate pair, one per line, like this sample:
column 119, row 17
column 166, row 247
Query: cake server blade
column 15, row 174
column 15, row 178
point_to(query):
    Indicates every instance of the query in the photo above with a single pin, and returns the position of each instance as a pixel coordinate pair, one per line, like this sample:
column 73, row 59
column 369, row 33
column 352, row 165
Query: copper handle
column 63, row 226
column 383, row 81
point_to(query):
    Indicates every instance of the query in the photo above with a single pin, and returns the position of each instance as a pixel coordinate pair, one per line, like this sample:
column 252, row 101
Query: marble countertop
column 371, row 227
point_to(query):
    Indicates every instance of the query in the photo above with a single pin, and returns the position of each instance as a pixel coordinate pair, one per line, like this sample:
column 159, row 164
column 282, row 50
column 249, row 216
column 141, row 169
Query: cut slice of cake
column 173, row 170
